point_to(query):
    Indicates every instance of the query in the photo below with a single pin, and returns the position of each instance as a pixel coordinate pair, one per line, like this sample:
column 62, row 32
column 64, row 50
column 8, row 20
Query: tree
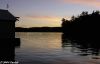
column 83, row 25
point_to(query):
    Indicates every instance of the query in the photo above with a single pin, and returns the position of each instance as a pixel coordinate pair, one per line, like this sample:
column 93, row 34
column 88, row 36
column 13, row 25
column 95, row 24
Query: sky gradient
column 43, row 13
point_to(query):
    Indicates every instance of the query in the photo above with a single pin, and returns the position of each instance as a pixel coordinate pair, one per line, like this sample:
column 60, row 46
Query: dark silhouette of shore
column 82, row 34
column 39, row 29
column 83, row 27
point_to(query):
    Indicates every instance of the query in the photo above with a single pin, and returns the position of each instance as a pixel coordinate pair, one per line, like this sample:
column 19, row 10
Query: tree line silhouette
column 83, row 27
column 38, row 29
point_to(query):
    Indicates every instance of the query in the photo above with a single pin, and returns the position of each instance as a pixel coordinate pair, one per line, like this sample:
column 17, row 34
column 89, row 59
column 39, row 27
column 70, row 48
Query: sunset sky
column 42, row 13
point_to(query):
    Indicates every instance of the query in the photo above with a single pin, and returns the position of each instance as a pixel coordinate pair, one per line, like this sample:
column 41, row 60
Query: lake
column 49, row 48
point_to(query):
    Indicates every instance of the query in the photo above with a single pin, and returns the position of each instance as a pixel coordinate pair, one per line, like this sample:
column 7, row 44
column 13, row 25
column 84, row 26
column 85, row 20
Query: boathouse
column 8, row 42
column 7, row 24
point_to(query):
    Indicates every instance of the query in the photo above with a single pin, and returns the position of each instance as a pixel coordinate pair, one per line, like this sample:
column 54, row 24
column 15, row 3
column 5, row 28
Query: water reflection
column 7, row 50
column 82, row 48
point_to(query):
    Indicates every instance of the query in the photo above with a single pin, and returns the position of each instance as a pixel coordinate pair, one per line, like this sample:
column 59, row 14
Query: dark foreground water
column 50, row 48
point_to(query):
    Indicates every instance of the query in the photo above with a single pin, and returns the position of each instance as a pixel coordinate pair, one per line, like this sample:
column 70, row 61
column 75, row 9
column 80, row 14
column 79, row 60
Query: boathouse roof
column 6, row 15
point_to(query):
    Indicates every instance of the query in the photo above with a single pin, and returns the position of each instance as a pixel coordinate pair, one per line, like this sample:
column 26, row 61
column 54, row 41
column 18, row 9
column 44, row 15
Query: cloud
column 43, row 18
column 93, row 3
column 46, row 18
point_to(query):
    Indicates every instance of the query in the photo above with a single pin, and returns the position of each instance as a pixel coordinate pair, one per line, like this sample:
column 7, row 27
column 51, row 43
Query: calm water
column 49, row 48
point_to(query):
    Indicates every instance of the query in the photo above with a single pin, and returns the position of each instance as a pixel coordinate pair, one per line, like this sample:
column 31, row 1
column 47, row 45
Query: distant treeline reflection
column 39, row 29
column 82, row 48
